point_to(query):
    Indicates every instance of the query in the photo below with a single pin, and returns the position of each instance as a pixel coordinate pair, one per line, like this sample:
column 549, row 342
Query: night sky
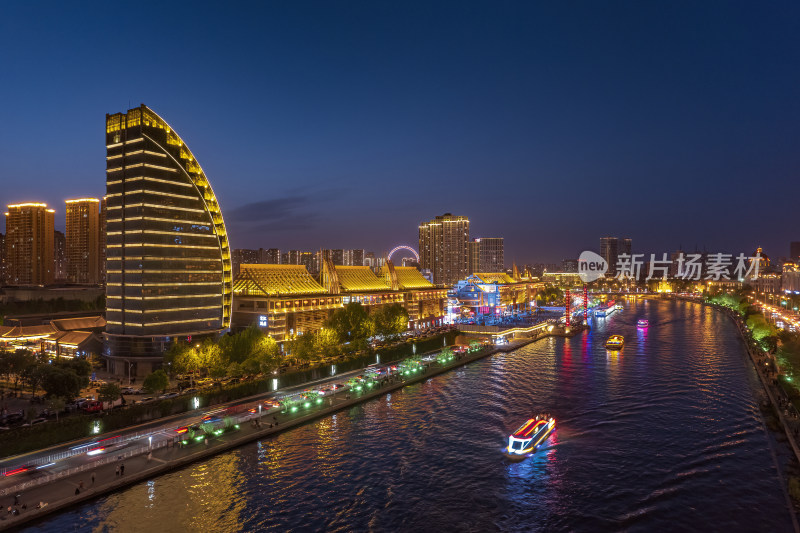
column 345, row 124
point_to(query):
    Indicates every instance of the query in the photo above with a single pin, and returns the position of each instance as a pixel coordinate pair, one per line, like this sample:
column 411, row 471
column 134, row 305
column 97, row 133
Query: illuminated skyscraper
column 103, row 209
column 168, row 258
column 491, row 257
column 444, row 248
column 29, row 244
column 83, row 241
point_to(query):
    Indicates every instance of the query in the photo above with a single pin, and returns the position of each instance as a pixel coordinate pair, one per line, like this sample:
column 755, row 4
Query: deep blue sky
column 345, row 124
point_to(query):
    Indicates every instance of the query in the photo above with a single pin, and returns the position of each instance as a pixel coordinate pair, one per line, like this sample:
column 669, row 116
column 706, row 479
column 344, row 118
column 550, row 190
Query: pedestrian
column 205, row 440
column 77, row 491
column 93, row 474
column 16, row 498
column 80, row 484
column 122, row 469
column 116, row 471
column 24, row 506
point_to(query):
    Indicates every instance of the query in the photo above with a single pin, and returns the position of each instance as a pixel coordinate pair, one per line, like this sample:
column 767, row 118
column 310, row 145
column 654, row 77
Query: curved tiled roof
column 359, row 278
column 495, row 277
column 411, row 278
column 271, row 280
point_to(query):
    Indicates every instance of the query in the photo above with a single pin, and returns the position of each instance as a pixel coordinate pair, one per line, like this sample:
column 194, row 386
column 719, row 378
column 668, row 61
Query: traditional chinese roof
column 359, row 278
column 21, row 332
column 272, row 280
column 494, row 277
column 70, row 324
column 407, row 278
column 71, row 338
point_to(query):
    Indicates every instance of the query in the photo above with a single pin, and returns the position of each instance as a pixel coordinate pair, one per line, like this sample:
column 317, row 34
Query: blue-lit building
column 495, row 294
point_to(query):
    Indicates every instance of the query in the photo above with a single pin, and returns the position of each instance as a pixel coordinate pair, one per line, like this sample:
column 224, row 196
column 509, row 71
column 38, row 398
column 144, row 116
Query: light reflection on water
column 664, row 435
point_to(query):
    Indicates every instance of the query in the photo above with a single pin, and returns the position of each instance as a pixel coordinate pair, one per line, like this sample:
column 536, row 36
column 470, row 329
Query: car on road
column 168, row 395
column 131, row 390
column 191, row 390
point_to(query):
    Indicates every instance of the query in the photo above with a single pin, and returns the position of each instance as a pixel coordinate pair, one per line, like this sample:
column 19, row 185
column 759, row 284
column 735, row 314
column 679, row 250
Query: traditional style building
column 286, row 300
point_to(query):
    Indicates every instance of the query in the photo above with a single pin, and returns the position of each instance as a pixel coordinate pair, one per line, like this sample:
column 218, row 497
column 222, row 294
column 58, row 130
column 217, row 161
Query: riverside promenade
column 141, row 464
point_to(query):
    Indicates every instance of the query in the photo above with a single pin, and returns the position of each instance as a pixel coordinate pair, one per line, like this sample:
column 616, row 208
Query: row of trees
column 252, row 352
column 59, row 377
column 350, row 328
column 249, row 351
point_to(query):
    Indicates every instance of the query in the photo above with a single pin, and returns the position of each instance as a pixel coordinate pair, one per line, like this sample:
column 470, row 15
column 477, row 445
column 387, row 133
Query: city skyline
column 658, row 140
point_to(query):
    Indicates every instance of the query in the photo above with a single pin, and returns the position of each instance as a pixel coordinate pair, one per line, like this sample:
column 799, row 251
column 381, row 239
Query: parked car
column 92, row 406
column 34, row 422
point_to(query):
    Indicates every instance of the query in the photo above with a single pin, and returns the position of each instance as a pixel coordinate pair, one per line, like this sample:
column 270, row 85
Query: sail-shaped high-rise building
column 168, row 266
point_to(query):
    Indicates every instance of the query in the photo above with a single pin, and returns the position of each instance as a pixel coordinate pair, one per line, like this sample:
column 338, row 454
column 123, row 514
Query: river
column 664, row 436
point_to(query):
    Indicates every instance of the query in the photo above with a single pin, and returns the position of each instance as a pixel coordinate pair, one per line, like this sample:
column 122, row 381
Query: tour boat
column 530, row 435
column 643, row 323
column 615, row 342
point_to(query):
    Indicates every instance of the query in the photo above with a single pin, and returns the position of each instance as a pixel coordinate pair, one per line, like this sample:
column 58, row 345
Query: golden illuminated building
column 29, row 244
column 83, row 240
column 102, row 246
column 286, row 300
column 168, row 263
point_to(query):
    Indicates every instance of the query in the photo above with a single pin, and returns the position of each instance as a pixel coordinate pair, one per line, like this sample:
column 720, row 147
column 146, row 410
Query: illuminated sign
column 262, row 321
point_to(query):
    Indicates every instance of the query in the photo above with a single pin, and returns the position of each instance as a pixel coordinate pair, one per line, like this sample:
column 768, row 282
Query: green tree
column 209, row 356
column 62, row 382
column 352, row 325
column 56, row 404
column 156, row 381
column 391, row 320
column 303, row 348
column 182, row 357
column 33, row 375
column 109, row 392
column 19, row 361
column 326, row 342
column 234, row 370
column 81, row 367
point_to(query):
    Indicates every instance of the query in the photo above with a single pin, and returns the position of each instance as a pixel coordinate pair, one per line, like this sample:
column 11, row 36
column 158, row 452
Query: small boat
column 643, row 323
column 618, row 307
column 530, row 435
column 615, row 342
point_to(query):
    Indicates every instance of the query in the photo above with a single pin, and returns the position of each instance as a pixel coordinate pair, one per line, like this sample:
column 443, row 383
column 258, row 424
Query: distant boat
column 615, row 342
column 530, row 435
column 643, row 323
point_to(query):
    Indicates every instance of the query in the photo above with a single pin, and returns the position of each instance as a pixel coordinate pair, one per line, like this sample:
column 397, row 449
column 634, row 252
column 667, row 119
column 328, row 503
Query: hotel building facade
column 168, row 257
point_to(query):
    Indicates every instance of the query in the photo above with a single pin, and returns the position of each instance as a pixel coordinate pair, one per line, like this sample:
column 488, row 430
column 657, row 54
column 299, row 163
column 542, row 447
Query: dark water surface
column 664, row 436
